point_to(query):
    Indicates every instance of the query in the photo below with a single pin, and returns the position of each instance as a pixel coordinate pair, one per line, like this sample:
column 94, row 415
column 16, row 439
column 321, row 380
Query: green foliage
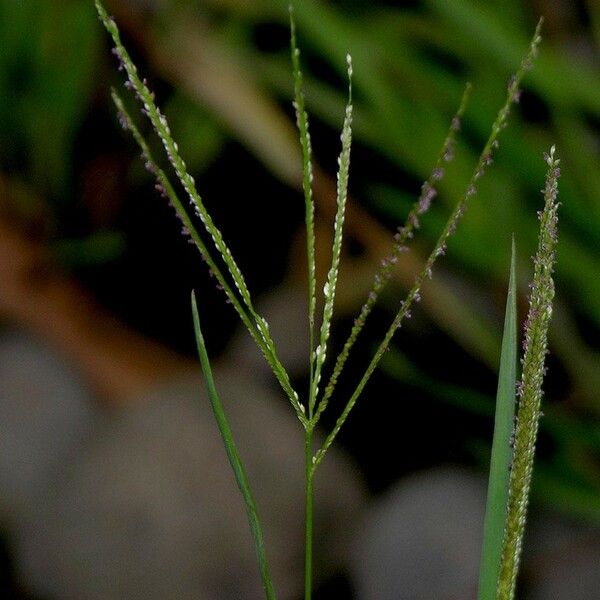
column 100, row 247
column 199, row 136
column 46, row 75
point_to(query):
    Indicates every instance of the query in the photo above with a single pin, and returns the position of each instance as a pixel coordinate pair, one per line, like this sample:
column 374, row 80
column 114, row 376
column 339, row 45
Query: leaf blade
column 497, row 497
column 233, row 456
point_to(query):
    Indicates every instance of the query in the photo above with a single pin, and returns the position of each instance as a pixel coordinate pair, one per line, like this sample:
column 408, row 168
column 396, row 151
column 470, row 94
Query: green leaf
column 233, row 456
column 497, row 497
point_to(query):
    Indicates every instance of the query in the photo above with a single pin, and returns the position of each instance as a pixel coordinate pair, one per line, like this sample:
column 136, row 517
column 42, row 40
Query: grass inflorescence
column 535, row 348
column 222, row 265
column 256, row 324
column 414, row 294
column 402, row 236
column 307, row 183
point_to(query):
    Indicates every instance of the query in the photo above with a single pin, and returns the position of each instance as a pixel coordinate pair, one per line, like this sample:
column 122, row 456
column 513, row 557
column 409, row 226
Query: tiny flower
column 438, row 173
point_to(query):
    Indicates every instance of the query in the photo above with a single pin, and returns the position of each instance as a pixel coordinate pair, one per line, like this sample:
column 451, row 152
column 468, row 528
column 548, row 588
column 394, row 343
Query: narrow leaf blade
column 497, row 498
column 233, row 456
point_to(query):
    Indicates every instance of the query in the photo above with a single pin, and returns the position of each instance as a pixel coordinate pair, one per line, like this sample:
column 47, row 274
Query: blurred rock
column 45, row 415
column 151, row 509
column 422, row 540
column 142, row 502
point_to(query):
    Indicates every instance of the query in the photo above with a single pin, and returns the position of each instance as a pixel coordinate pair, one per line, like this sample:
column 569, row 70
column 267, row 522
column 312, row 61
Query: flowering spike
column 307, row 179
column 448, row 230
column 529, row 390
column 403, row 234
column 161, row 126
column 332, row 277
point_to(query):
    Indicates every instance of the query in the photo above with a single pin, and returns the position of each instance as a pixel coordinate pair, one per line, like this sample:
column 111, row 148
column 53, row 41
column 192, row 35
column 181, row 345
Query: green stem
column 309, row 515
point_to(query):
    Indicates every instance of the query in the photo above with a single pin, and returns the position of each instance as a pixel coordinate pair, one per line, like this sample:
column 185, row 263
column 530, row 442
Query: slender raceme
column 307, row 180
column 159, row 122
column 330, row 285
column 535, row 343
column 485, row 159
column 165, row 188
column 403, row 234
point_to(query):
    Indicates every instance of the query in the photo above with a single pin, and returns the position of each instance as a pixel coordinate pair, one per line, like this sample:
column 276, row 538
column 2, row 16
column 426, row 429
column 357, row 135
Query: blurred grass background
column 221, row 70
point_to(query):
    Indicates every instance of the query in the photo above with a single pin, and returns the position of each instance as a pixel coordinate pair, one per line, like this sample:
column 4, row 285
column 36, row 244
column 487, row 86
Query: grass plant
column 215, row 252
